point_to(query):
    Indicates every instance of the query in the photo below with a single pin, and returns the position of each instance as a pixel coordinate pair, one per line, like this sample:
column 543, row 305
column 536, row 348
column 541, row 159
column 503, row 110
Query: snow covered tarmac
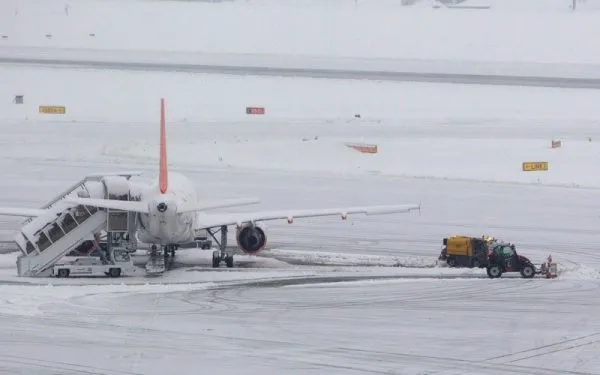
column 265, row 318
column 380, row 327
column 325, row 296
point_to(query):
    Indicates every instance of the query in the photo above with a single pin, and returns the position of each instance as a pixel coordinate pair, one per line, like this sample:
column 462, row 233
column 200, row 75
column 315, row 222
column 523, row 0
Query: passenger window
column 68, row 223
column 55, row 232
column 43, row 243
column 29, row 247
column 81, row 214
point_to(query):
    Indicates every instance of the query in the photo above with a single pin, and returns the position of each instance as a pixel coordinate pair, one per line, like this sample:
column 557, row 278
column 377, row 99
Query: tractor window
column 507, row 251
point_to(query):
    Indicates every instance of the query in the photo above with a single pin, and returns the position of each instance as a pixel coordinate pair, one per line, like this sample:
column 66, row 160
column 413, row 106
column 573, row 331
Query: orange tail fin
column 163, row 179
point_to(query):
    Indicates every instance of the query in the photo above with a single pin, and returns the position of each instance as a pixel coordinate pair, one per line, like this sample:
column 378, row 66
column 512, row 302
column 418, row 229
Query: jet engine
column 251, row 238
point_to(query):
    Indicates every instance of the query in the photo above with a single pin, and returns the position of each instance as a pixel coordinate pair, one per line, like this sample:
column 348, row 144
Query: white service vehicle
column 119, row 264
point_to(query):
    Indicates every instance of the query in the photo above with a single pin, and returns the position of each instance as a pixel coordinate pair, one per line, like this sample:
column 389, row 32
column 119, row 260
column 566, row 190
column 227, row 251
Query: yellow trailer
column 464, row 251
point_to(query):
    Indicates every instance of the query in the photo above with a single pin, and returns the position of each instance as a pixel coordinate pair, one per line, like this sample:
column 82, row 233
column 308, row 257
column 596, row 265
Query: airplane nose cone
column 161, row 207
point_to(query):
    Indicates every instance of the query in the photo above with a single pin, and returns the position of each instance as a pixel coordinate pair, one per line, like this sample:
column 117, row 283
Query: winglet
column 163, row 180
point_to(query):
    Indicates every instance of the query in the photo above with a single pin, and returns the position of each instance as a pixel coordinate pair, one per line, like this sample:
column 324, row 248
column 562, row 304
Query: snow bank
column 342, row 259
column 517, row 31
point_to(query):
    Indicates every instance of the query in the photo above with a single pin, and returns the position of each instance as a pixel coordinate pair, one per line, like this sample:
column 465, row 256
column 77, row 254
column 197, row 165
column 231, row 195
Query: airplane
column 170, row 212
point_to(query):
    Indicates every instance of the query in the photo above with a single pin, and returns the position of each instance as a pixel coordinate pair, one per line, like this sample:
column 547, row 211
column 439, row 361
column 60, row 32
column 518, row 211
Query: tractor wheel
column 494, row 272
column 528, row 272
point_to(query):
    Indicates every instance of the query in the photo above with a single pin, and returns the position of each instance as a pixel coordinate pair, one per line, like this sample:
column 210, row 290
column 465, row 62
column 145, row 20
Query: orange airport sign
column 364, row 148
column 255, row 110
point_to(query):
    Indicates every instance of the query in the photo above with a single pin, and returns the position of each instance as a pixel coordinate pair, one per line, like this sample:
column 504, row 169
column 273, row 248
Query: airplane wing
column 143, row 206
column 22, row 212
column 111, row 204
column 225, row 203
column 206, row 220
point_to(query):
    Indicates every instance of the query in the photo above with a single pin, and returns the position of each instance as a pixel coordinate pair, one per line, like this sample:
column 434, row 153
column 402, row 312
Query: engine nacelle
column 251, row 238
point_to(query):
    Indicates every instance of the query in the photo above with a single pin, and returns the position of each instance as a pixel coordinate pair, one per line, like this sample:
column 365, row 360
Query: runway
column 455, row 72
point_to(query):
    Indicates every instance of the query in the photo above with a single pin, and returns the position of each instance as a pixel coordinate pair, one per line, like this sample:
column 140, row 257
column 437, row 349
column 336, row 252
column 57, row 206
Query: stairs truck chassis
column 118, row 264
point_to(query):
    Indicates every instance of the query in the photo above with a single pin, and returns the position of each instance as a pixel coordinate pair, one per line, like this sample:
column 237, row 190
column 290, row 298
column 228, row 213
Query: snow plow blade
column 548, row 269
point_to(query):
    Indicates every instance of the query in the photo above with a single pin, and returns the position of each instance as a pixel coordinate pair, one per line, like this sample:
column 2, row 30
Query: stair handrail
column 80, row 184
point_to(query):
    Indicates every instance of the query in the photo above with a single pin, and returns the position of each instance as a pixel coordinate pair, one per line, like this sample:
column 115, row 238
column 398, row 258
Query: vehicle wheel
column 114, row 272
column 476, row 263
column 229, row 261
column 451, row 262
column 216, row 259
column 527, row 272
column 494, row 272
column 63, row 272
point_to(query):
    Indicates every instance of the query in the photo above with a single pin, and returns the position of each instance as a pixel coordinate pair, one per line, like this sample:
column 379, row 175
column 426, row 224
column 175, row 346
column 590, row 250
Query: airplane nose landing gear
column 158, row 264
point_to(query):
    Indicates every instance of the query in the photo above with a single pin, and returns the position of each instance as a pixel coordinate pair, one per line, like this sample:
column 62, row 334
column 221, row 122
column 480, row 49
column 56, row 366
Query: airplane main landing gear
column 221, row 255
column 218, row 257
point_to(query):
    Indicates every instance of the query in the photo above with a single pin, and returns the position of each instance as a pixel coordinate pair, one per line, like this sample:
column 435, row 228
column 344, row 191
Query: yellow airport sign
column 51, row 109
column 535, row 166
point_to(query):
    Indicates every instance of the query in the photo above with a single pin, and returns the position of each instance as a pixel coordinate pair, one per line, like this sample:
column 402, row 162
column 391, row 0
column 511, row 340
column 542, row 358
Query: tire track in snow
column 62, row 366
column 543, row 350
column 290, row 350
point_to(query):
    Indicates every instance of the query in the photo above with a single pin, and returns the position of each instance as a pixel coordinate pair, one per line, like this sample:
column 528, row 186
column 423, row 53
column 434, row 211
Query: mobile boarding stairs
column 44, row 240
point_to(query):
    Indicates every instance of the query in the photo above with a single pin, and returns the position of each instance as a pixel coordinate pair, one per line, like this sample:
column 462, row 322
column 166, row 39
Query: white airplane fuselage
column 164, row 225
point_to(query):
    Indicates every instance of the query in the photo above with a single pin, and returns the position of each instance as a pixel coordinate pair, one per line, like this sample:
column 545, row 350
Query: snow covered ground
column 327, row 296
column 293, row 326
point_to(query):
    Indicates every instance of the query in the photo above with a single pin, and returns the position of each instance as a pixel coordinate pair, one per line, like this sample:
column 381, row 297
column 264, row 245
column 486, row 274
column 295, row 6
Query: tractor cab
column 503, row 257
